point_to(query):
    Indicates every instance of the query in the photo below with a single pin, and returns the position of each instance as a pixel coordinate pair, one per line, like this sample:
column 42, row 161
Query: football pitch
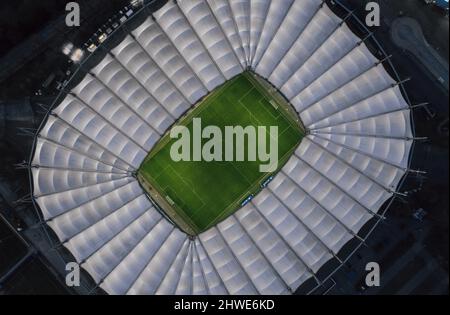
column 199, row 195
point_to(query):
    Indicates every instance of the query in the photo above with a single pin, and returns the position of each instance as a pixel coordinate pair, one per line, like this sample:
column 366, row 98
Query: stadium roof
column 351, row 163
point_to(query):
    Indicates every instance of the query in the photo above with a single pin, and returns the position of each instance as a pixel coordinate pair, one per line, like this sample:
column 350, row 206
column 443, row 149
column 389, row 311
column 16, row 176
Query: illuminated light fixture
column 102, row 37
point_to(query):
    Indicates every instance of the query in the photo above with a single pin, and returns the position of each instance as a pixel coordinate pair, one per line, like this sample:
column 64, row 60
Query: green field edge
column 176, row 213
column 255, row 189
column 187, row 118
column 177, row 216
column 287, row 111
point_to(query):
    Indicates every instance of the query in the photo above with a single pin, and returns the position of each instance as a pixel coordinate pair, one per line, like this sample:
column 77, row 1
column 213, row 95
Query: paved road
column 407, row 34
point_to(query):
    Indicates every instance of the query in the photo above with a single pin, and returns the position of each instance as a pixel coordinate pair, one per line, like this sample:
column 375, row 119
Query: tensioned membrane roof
column 350, row 163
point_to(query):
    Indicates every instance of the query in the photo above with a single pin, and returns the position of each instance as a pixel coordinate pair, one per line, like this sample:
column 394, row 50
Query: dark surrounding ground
column 33, row 278
column 432, row 19
column 21, row 44
column 413, row 254
column 12, row 248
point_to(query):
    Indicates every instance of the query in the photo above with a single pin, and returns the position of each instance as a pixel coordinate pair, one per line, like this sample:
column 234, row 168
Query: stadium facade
column 149, row 72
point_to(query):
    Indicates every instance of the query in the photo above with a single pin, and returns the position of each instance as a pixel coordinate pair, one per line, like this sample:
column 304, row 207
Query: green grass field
column 198, row 195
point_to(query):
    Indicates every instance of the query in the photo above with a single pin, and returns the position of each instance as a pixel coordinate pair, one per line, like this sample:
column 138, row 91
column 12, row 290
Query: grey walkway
column 407, row 34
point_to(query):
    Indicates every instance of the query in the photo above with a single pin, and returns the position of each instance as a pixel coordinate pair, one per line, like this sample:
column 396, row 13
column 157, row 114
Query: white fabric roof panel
column 85, row 244
column 337, row 46
column 122, row 278
column 241, row 13
column 178, row 29
column 341, row 207
column 49, row 181
column 367, row 96
column 262, row 274
column 258, row 14
column 151, row 277
column 52, row 155
column 184, row 286
column 133, row 57
column 213, row 281
column 131, row 92
column 100, row 130
column 57, row 131
column 199, row 286
column 390, row 150
column 323, row 24
column 347, row 69
column 362, row 188
column 392, row 125
column 98, row 97
column 212, row 36
column 387, row 175
column 164, row 53
column 224, row 16
column 73, row 221
column 282, row 258
column 298, row 17
column 275, row 15
column 304, row 244
column 351, row 162
column 59, row 203
column 321, row 225
column 226, row 264
column 101, row 263
column 170, row 280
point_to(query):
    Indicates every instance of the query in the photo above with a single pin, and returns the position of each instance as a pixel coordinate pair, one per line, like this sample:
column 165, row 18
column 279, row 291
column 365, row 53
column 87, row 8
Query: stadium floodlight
column 349, row 149
column 136, row 3
column 67, row 49
column 75, row 54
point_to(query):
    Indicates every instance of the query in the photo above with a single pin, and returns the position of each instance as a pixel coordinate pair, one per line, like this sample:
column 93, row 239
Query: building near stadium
column 156, row 68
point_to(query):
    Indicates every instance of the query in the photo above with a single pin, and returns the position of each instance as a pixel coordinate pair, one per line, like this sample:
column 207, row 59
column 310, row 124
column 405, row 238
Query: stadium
column 356, row 150
column 139, row 223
